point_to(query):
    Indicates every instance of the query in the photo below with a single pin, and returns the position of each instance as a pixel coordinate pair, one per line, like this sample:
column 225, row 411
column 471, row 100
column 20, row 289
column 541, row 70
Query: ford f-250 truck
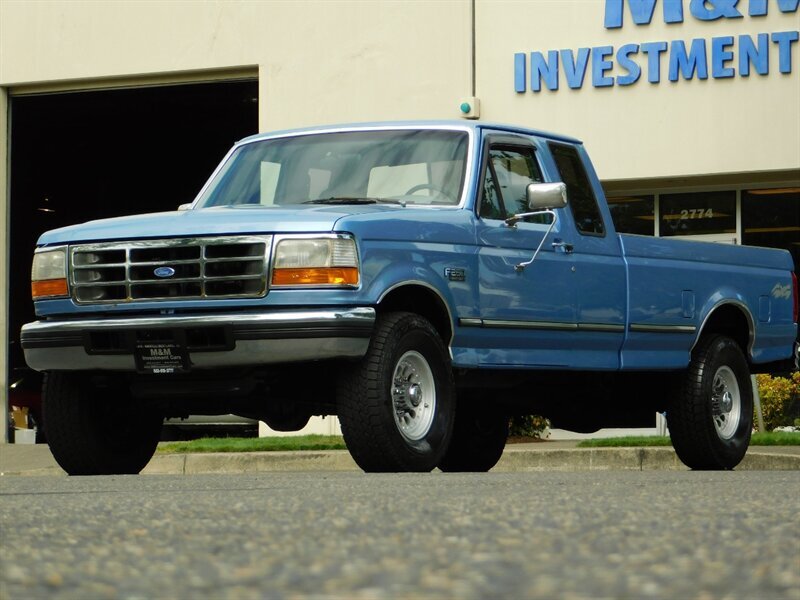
column 422, row 281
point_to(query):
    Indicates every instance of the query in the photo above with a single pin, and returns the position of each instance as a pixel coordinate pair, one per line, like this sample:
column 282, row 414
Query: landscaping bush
column 780, row 399
column 528, row 426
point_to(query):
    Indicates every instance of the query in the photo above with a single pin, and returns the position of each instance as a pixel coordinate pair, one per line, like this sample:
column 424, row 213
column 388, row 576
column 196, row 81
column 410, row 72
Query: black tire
column 711, row 417
column 479, row 439
column 406, row 362
column 97, row 433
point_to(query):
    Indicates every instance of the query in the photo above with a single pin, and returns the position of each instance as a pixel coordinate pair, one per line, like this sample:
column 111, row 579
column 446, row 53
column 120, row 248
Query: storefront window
column 633, row 214
column 699, row 213
column 771, row 218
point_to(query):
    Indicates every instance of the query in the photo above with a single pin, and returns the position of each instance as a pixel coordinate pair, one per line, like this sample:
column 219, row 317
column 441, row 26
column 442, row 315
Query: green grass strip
column 773, row 438
column 625, row 442
column 266, row 444
column 333, row 442
column 776, row 438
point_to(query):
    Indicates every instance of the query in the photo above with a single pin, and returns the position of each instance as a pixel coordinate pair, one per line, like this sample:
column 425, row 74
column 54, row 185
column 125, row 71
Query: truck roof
column 452, row 123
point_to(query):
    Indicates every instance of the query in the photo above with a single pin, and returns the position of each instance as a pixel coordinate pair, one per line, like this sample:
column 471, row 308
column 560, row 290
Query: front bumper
column 210, row 341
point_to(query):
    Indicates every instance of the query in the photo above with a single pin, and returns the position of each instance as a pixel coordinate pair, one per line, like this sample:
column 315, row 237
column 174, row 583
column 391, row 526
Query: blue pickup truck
column 422, row 281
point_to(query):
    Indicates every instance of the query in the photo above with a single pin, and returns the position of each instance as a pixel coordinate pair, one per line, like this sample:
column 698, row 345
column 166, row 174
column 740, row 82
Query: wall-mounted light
column 470, row 108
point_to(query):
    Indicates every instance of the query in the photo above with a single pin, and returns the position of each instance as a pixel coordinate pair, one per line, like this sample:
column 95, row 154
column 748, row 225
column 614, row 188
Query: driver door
column 526, row 315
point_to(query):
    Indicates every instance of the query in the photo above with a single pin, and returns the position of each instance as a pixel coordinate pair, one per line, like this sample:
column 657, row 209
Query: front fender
column 449, row 270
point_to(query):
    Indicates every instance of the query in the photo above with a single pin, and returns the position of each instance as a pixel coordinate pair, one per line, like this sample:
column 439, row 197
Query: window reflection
column 771, row 218
column 633, row 214
column 508, row 173
column 698, row 213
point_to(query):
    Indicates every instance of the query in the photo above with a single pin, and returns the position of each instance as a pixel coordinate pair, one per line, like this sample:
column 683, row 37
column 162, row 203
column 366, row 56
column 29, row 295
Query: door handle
column 565, row 247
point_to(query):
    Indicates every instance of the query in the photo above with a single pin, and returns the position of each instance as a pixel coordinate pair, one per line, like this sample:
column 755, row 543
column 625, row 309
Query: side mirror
column 546, row 196
column 542, row 198
column 186, row 206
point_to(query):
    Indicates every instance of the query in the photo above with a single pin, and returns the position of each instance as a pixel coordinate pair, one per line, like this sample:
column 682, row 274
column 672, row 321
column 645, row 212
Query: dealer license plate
column 161, row 358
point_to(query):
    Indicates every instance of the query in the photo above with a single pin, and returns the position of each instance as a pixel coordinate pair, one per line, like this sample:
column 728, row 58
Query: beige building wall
column 644, row 130
column 318, row 61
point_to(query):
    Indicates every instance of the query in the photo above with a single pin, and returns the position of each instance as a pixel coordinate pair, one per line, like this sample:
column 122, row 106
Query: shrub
column 528, row 426
column 780, row 399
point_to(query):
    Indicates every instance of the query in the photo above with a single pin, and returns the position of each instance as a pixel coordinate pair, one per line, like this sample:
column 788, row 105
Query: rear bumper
column 215, row 340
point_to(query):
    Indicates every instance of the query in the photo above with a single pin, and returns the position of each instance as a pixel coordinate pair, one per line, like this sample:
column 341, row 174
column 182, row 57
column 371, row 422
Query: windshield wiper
column 354, row 200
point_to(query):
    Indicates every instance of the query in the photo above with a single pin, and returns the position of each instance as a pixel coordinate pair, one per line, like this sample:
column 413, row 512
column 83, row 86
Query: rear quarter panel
column 675, row 285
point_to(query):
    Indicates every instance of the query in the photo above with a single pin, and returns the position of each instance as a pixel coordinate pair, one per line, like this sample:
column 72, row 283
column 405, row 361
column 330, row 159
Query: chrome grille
column 185, row 268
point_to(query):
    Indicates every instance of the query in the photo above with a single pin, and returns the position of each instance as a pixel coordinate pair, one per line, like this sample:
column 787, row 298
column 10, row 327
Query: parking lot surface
column 657, row 534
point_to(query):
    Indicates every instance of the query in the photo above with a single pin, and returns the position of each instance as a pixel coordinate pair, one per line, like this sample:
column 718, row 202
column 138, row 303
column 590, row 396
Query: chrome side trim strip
column 603, row 327
column 470, row 322
column 502, row 324
column 642, row 328
column 541, row 325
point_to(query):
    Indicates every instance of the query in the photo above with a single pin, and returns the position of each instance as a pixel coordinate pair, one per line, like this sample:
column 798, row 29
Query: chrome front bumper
column 211, row 341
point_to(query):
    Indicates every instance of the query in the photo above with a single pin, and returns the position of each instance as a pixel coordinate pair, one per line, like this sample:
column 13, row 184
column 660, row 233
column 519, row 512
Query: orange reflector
column 48, row 287
column 316, row 276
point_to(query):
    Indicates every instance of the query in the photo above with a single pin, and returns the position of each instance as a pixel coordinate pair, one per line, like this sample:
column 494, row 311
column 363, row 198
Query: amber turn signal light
column 316, row 276
column 48, row 288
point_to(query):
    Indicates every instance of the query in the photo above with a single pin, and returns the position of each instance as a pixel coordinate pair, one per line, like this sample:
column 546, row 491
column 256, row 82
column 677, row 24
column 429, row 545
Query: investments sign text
column 719, row 57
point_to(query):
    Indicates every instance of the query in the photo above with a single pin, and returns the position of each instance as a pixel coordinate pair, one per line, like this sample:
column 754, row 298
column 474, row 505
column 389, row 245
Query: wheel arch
column 421, row 298
column 733, row 319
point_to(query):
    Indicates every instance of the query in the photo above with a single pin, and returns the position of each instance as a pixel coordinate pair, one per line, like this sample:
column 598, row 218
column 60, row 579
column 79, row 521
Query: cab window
column 509, row 170
column 581, row 198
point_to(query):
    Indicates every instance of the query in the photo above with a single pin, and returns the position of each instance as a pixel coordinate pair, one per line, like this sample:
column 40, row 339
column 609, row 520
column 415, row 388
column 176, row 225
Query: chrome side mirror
column 542, row 198
column 546, row 196
column 186, row 206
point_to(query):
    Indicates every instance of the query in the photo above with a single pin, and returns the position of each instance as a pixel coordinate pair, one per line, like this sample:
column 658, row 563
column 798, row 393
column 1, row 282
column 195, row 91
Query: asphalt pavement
column 554, row 534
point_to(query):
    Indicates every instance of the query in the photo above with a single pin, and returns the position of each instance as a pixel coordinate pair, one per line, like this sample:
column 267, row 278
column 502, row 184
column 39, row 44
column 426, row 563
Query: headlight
column 49, row 274
column 315, row 261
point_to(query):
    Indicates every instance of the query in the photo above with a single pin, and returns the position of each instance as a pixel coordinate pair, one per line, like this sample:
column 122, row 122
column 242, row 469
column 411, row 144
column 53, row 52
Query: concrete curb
column 250, row 462
column 513, row 460
column 628, row 459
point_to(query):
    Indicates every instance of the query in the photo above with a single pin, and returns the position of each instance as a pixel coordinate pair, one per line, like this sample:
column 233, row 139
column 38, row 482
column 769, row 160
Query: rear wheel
column 479, row 439
column 711, row 418
column 97, row 432
column 396, row 407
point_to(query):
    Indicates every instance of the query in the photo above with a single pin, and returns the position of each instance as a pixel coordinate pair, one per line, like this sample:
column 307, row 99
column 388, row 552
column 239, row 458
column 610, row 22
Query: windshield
column 421, row 167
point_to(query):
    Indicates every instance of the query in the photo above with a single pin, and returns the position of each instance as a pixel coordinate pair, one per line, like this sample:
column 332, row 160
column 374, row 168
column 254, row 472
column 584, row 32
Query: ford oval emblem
column 164, row 272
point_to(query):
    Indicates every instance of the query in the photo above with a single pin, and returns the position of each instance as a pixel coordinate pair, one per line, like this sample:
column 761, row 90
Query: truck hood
column 212, row 221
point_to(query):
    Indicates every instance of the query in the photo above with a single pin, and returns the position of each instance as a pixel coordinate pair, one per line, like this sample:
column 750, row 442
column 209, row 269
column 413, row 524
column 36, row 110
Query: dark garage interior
column 80, row 156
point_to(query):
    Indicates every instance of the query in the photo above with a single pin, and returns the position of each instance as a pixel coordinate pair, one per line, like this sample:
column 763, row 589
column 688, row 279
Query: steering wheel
column 428, row 186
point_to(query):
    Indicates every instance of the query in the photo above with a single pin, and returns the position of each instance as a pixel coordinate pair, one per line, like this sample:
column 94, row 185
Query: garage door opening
column 91, row 155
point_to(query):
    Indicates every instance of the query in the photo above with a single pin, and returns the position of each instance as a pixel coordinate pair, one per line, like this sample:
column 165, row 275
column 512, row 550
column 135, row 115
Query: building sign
column 719, row 57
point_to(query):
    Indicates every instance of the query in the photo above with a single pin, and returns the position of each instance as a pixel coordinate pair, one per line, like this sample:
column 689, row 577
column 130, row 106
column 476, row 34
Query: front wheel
column 97, row 431
column 711, row 418
column 397, row 406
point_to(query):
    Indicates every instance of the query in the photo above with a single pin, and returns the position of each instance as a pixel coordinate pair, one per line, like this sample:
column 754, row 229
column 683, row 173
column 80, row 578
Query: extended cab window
column 581, row 198
column 509, row 170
